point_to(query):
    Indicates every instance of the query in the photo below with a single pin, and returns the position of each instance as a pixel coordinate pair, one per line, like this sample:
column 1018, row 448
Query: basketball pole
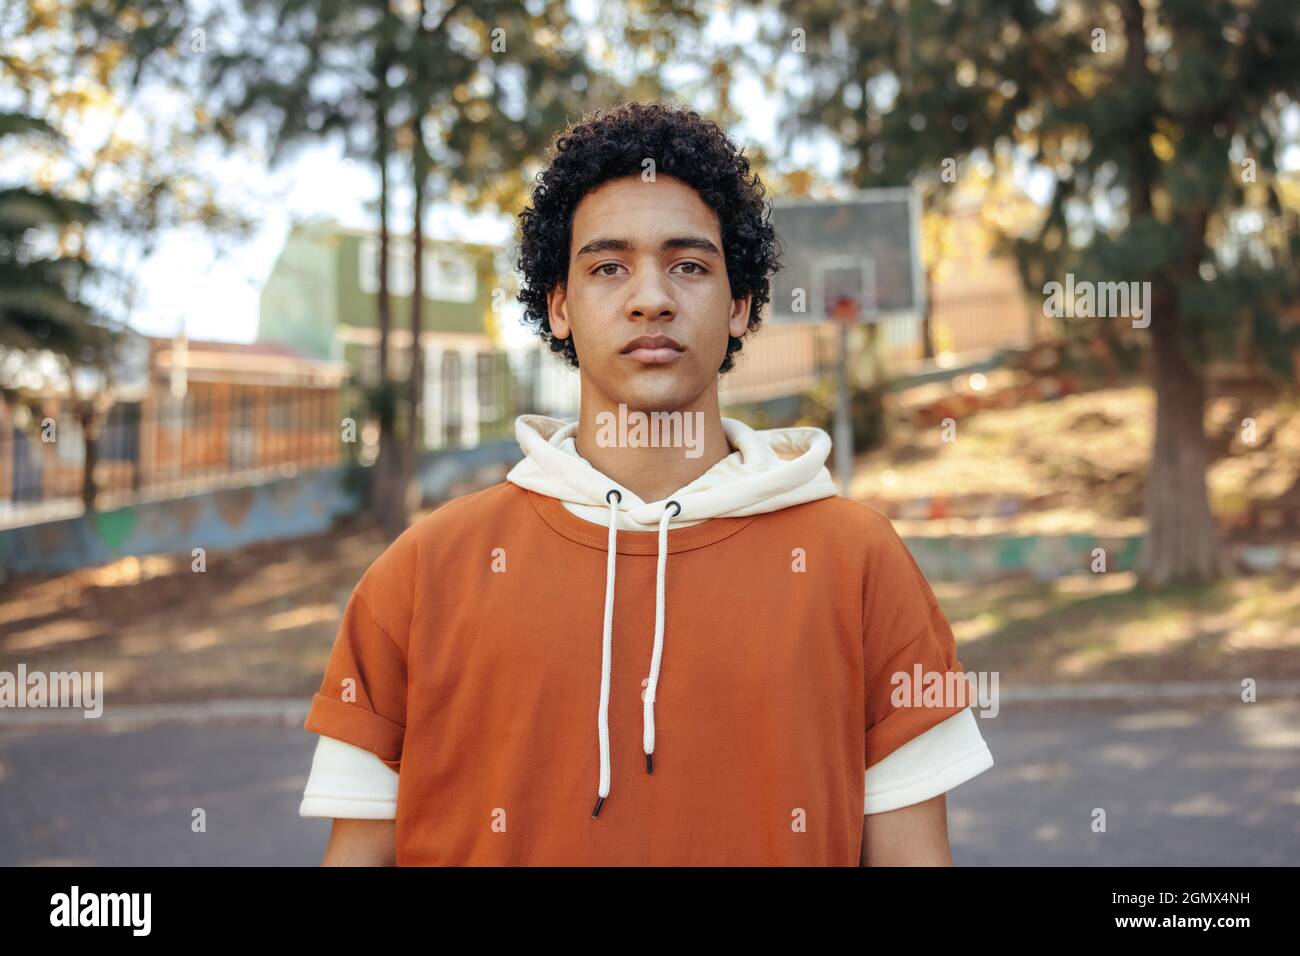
column 843, row 438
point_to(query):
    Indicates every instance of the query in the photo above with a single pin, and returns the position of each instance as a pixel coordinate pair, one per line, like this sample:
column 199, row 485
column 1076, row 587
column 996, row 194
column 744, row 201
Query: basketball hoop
column 844, row 309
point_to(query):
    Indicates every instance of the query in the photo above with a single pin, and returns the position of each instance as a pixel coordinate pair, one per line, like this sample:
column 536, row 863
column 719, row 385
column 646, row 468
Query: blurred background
column 257, row 314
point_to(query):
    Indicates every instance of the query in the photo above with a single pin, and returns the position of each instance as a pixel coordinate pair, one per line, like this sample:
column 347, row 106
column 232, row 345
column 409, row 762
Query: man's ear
column 738, row 321
column 557, row 305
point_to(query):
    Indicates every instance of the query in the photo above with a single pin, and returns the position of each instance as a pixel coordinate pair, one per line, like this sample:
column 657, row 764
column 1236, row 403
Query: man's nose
column 650, row 295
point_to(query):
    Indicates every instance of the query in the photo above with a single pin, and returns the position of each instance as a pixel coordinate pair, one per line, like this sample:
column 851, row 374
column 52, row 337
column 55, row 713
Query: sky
column 211, row 288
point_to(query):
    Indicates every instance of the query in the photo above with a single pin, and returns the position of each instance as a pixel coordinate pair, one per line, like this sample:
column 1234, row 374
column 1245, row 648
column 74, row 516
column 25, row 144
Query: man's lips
column 653, row 350
column 653, row 342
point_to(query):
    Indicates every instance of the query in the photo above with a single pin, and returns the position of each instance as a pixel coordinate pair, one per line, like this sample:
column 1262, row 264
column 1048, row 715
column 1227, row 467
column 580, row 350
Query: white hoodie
column 767, row 470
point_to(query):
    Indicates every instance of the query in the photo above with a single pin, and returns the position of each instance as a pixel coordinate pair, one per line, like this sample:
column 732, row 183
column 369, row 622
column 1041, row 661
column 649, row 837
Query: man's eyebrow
column 691, row 242
column 602, row 245
column 596, row 246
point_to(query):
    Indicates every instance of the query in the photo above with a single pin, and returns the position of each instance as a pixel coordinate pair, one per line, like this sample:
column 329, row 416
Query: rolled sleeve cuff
column 347, row 808
column 353, row 724
column 905, row 725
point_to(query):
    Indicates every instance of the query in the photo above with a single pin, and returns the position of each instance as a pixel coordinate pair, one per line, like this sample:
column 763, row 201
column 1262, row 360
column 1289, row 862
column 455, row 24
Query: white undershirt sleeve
column 349, row 782
column 929, row 764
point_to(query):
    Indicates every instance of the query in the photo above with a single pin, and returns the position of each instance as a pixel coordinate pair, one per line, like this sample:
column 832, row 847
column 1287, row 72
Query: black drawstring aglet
column 599, row 801
column 649, row 763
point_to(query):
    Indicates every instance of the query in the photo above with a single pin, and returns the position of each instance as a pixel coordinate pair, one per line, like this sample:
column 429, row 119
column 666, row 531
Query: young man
column 636, row 650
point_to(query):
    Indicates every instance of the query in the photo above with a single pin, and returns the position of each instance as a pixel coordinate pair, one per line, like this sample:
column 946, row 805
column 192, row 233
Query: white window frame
column 401, row 273
column 449, row 276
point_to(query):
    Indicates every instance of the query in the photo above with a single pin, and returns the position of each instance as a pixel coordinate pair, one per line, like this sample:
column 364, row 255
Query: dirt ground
column 1079, row 463
column 1105, row 628
column 258, row 622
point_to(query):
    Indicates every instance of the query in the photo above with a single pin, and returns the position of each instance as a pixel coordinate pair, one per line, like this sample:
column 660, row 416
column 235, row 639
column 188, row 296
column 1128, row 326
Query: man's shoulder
column 840, row 516
column 432, row 543
column 854, row 530
column 448, row 528
column 478, row 510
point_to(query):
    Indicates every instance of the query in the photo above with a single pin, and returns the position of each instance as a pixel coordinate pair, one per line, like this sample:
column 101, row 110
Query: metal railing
column 160, row 447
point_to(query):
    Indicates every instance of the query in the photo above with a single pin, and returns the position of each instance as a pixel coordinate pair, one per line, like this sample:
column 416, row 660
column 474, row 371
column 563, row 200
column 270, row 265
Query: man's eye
column 599, row 270
column 697, row 269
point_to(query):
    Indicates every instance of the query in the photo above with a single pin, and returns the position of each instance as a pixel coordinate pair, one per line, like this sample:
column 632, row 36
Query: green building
column 321, row 299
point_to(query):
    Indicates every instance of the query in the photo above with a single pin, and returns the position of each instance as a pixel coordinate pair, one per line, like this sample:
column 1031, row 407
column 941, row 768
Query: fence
column 160, row 447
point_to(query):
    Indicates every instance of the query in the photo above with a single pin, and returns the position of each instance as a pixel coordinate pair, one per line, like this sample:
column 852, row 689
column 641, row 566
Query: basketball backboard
column 866, row 247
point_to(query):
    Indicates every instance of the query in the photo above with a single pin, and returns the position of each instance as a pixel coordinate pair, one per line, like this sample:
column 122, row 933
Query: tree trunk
column 420, row 165
column 384, row 507
column 927, row 321
column 90, row 449
column 1181, row 543
column 410, row 496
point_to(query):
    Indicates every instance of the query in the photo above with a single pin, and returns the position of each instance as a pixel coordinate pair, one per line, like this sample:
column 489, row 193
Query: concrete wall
column 229, row 518
column 309, row 503
column 999, row 557
column 305, row 504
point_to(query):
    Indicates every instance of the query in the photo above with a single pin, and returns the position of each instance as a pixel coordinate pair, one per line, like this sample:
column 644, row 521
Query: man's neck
column 612, row 444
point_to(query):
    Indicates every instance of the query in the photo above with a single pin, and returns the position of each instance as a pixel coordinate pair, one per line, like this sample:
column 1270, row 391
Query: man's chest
column 758, row 715
column 742, row 637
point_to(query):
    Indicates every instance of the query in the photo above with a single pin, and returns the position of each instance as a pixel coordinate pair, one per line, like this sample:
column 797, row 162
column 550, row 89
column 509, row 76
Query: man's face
column 645, row 259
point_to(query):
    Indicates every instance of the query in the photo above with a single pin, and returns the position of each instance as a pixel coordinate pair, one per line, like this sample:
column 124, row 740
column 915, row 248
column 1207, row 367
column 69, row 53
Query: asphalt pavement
column 1178, row 783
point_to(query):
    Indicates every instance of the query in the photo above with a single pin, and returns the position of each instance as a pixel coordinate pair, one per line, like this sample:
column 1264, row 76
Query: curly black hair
column 609, row 144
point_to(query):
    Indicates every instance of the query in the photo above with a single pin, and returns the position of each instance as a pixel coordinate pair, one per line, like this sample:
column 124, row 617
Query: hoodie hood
column 767, row 470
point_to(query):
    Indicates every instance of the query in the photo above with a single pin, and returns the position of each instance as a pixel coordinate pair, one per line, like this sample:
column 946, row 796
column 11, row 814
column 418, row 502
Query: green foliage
column 472, row 93
column 40, row 292
column 382, row 399
column 866, row 413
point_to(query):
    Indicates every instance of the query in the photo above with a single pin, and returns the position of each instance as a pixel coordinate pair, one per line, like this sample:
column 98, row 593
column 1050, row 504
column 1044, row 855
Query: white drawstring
column 648, row 709
column 607, row 639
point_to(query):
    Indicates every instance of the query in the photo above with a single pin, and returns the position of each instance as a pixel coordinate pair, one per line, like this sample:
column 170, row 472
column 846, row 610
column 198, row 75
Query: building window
column 69, row 441
column 367, row 364
column 487, row 373
column 400, row 273
column 451, row 398
column 449, row 277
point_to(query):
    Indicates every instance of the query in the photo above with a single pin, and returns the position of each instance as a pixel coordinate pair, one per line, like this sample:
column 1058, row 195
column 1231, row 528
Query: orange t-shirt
column 469, row 660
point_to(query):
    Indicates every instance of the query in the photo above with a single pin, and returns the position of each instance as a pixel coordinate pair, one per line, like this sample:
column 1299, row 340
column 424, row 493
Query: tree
column 90, row 202
column 39, row 306
column 1161, row 124
column 470, row 90
column 42, row 307
column 484, row 88
column 302, row 71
